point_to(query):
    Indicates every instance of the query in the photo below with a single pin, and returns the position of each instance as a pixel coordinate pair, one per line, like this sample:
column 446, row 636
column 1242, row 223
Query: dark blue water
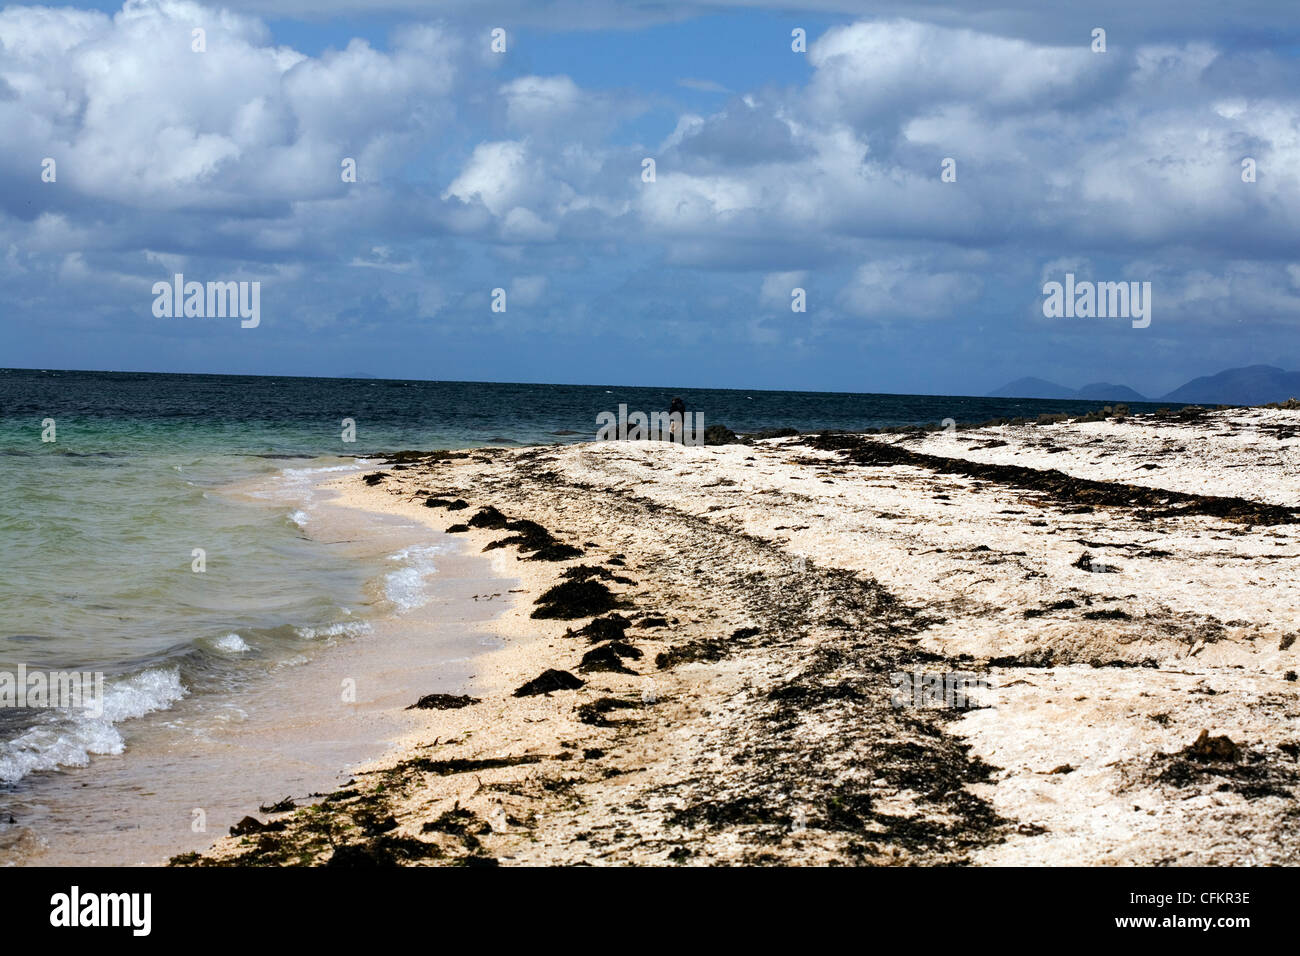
column 305, row 416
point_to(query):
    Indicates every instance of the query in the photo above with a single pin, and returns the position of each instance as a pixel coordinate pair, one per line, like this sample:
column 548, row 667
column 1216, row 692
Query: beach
column 702, row 650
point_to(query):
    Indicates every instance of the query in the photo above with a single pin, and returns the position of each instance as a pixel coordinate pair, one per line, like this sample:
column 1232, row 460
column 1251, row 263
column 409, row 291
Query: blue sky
column 775, row 170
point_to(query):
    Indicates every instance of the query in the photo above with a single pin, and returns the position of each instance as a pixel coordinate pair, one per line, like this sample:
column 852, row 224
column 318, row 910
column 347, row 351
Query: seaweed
column 1043, row 657
column 454, row 765
column 385, row 851
column 251, row 825
column 1227, row 766
column 1083, row 492
column 459, row 504
column 549, row 681
column 609, row 658
column 702, row 650
column 443, row 702
column 489, row 517
column 586, row 572
column 611, row 627
column 573, row 599
column 594, row 712
column 555, row 552
column 1107, row 614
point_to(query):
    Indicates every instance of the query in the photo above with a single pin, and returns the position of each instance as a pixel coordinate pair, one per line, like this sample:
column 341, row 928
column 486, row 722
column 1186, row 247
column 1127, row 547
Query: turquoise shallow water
column 102, row 573
column 98, row 528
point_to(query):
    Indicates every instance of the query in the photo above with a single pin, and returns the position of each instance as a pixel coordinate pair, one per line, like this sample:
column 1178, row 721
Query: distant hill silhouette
column 1108, row 392
column 1041, row 388
column 1253, row 385
column 1032, row 388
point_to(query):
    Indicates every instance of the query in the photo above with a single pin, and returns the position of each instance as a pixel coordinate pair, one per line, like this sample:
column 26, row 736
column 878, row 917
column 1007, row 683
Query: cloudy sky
column 774, row 170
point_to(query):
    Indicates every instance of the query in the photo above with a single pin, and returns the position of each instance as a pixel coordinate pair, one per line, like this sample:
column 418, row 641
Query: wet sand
column 730, row 637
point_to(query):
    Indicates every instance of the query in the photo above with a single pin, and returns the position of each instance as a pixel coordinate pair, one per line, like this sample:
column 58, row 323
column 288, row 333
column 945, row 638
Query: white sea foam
column 300, row 518
column 70, row 738
column 341, row 629
column 407, row 587
column 231, row 644
column 298, row 474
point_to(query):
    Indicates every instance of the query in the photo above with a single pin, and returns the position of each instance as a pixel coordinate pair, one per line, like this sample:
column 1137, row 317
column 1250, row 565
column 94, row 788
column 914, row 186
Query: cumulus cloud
column 134, row 115
column 230, row 159
column 908, row 288
column 778, row 288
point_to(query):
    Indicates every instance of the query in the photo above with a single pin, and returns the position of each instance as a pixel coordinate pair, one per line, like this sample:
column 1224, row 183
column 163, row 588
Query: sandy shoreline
column 770, row 594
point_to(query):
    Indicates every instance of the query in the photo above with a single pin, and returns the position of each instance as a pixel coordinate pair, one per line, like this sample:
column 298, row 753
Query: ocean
column 170, row 534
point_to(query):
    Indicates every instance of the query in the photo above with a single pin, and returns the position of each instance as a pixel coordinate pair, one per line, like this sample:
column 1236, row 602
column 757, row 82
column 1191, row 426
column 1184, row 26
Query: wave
column 231, row 644
column 407, row 587
column 68, row 738
column 341, row 629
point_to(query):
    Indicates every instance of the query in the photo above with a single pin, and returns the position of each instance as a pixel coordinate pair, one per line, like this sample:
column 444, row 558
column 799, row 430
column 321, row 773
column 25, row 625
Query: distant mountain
column 1104, row 391
column 1040, row 388
column 1032, row 388
column 1253, row 385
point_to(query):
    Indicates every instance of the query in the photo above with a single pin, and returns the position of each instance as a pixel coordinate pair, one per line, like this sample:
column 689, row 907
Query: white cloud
column 777, row 287
column 234, row 154
column 526, row 290
column 908, row 288
column 495, row 175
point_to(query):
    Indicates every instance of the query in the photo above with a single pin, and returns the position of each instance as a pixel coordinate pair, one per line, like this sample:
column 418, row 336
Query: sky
column 783, row 177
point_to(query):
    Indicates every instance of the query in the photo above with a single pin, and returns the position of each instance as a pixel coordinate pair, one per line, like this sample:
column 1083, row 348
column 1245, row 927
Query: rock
column 719, row 435
column 1213, row 748
column 767, row 433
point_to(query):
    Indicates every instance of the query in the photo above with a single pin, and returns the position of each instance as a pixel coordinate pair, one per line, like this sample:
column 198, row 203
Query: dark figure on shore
column 676, row 419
